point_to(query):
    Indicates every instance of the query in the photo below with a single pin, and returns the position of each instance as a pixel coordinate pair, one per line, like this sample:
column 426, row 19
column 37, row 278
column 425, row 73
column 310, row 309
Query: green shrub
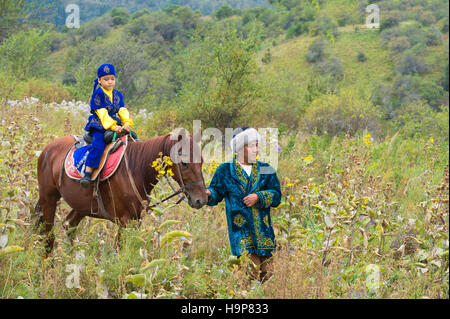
column 23, row 53
column 426, row 17
column 445, row 81
column 410, row 63
column 433, row 36
column 428, row 90
column 296, row 30
column 46, row 91
column 139, row 14
column 324, row 25
column 362, row 56
column 390, row 19
column 344, row 112
column 170, row 29
column 332, row 67
column 442, row 25
column 223, row 12
column 120, row 16
column 96, row 28
column 419, row 120
column 317, row 51
column 399, row 44
column 267, row 57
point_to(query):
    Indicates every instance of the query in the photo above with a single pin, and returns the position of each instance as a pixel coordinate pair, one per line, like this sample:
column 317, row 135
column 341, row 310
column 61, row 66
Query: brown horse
column 122, row 194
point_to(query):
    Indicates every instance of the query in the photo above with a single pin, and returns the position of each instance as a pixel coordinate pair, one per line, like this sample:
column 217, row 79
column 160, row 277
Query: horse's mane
column 139, row 150
column 141, row 153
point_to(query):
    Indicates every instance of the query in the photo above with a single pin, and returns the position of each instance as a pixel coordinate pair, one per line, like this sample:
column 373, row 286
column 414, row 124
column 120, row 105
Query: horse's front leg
column 71, row 223
column 123, row 222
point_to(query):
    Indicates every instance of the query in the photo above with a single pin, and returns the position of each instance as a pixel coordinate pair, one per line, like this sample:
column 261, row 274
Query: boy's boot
column 86, row 180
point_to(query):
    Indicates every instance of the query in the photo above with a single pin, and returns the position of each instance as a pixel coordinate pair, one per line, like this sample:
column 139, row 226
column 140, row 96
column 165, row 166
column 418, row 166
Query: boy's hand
column 118, row 129
column 127, row 128
column 251, row 200
column 208, row 192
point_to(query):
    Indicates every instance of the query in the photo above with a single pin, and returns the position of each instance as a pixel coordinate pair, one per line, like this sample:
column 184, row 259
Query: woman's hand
column 208, row 192
column 118, row 129
column 251, row 200
column 127, row 128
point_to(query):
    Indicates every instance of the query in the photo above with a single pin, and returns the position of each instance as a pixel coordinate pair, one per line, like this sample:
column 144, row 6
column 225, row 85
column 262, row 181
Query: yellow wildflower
column 309, row 158
column 367, row 139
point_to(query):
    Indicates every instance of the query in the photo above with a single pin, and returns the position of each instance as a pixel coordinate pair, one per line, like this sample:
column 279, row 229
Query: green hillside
column 362, row 146
column 54, row 11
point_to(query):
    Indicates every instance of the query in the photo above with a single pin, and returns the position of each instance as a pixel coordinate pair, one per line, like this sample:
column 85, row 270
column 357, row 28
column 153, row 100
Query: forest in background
column 362, row 116
column 292, row 61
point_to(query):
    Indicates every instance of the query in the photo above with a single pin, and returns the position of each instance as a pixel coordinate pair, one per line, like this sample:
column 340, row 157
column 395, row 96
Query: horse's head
column 187, row 159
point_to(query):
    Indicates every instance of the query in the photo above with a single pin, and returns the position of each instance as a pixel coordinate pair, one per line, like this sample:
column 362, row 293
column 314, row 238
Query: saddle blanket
column 108, row 163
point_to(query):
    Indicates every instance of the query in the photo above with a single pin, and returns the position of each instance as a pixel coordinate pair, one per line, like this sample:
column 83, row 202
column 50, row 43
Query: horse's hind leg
column 37, row 216
column 71, row 222
column 48, row 199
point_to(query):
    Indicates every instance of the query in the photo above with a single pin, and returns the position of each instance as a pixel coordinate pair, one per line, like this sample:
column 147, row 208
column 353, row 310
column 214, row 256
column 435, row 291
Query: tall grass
column 350, row 205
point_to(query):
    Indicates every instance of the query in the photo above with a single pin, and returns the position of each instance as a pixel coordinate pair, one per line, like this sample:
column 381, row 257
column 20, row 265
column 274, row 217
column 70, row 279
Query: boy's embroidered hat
column 243, row 136
column 104, row 69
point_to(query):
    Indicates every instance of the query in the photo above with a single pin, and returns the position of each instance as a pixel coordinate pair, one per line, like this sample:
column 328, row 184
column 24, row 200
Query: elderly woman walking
column 250, row 188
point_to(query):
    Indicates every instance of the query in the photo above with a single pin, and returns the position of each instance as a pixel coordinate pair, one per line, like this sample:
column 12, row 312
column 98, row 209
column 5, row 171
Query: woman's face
column 107, row 81
column 249, row 152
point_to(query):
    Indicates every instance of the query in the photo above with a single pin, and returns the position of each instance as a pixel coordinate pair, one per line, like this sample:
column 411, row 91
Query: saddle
column 109, row 161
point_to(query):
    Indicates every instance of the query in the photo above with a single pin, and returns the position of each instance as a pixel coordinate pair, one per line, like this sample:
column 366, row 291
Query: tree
column 220, row 85
column 120, row 16
column 23, row 53
column 223, row 12
column 169, row 29
column 410, row 63
column 317, row 51
column 17, row 15
column 362, row 56
column 324, row 25
column 390, row 19
column 343, row 112
column 445, row 82
column 10, row 13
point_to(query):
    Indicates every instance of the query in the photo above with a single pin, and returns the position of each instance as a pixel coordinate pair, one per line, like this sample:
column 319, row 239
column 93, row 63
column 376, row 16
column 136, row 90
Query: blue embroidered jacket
column 249, row 228
column 100, row 100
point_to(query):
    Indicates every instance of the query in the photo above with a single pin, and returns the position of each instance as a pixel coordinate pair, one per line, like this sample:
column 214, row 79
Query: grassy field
column 360, row 218
column 364, row 215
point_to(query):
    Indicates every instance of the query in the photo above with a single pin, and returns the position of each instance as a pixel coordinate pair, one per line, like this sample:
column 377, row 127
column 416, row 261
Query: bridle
column 175, row 192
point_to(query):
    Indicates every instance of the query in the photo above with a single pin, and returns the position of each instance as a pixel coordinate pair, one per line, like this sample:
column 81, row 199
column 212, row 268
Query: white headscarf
column 243, row 136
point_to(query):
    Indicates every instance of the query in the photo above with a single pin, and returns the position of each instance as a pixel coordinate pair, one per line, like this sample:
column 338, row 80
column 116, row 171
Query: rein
column 175, row 192
column 181, row 190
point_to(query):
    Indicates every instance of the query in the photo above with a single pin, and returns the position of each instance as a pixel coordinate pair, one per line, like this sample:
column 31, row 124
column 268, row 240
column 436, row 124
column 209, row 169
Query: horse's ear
column 197, row 136
column 182, row 134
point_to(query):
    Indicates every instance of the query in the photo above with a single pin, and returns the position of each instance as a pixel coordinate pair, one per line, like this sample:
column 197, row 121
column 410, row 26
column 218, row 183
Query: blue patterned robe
column 249, row 228
column 100, row 100
column 91, row 154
